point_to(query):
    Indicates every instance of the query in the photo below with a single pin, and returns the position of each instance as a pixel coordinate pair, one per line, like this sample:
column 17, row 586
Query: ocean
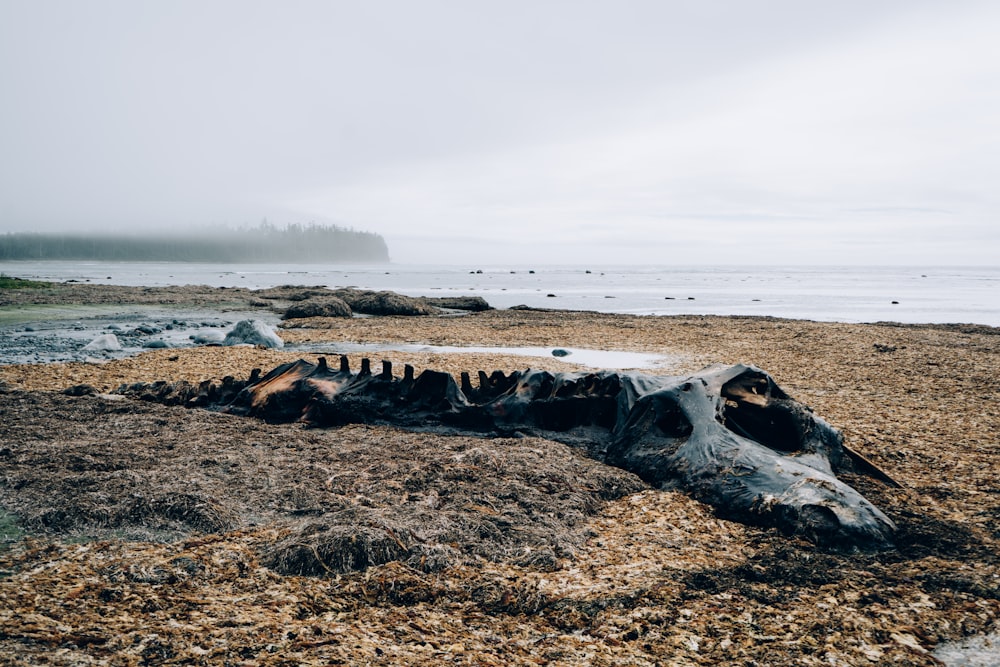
column 908, row 294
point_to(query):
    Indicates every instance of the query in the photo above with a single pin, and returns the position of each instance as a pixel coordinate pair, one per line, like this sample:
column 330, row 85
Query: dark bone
column 729, row 436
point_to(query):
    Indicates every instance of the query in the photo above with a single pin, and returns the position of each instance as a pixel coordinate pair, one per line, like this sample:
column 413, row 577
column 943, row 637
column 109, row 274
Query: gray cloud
column 541, row 130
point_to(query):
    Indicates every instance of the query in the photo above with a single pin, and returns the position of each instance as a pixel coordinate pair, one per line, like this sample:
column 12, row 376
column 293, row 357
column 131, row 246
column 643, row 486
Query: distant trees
column 296, row 243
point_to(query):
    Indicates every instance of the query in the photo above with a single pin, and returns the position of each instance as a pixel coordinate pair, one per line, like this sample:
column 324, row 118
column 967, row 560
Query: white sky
column 660, row 131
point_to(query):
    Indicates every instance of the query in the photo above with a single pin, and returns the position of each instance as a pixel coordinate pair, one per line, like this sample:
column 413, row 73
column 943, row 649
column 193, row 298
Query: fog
column 651, row 131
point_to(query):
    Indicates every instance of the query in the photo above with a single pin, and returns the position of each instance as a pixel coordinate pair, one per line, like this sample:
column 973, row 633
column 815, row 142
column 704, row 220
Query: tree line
column 304, row 244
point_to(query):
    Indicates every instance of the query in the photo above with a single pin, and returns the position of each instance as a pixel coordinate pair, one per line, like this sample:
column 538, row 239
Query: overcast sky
column 660, row 131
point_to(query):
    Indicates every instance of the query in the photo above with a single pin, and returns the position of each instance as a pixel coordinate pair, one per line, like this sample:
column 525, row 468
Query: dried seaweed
column 648, row 578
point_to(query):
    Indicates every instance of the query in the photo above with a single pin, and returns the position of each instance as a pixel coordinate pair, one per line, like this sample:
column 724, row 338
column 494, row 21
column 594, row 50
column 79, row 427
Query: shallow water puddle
column 977, row 651
column 615, row 359
column 57, row 333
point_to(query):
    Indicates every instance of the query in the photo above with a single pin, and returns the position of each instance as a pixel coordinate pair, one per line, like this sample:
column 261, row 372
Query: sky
column 621, row 131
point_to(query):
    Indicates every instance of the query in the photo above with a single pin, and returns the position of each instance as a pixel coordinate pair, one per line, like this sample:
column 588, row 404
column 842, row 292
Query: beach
column 137, row 533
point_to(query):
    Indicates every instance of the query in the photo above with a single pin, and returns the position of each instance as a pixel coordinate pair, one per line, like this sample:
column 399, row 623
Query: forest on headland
column 303, row 244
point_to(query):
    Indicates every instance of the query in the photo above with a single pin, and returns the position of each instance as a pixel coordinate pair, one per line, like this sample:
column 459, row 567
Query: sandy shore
column 637, row 576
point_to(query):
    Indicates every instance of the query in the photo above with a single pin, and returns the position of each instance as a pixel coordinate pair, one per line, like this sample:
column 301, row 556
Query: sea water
column 910, row 294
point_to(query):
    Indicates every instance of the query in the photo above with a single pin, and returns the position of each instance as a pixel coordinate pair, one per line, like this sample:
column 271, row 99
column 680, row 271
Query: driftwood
column 729, row 436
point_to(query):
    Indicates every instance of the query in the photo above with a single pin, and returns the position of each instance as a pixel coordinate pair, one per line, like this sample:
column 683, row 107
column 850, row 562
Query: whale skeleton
column 728, row 435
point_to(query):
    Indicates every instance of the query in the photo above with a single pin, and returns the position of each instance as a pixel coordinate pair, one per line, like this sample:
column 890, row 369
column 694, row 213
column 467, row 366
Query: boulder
column 475, row 304
column 252, row 332
column 208, row 338
column 292, row 292
column 384, row 303
column 80, row 390
column 104, row 343
column 329, row 306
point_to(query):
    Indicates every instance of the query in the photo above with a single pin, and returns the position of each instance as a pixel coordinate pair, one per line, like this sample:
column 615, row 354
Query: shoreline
column 930, row 294
column 53, row 324
column 653, row 575
column 242, row 298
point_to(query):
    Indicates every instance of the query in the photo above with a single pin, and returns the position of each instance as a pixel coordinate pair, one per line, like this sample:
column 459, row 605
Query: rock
column 104, row 343
column 559, row 352
column 329, row 306
column 536, row 309
column 147, row 329
column 475, row 304
column 208, row 338
column 252, row 332
column 156, row 344
column 384, row 303
column 293, row 292
column 113, row 327
column 80, row 390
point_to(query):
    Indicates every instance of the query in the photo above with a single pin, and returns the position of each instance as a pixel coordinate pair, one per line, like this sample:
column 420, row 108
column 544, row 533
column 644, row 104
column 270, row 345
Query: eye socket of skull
column 755, row 408
column 673, row 423
column 777, row 425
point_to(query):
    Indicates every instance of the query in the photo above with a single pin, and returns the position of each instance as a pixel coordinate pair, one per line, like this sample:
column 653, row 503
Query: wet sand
column 651, row 577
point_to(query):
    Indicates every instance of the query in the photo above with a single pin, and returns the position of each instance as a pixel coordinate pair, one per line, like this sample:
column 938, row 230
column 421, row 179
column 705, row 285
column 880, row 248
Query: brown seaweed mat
column 136, row 533
column 180, row 533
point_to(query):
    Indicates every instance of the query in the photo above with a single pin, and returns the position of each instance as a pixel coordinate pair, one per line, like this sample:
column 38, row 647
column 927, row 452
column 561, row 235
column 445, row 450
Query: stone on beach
column 328, row 306
column 208, row 338
column 475, row 304
column 384, row 303
column 104, row 343
column 252, row 332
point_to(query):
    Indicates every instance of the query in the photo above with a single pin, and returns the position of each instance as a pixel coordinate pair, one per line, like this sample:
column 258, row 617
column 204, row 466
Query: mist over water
column 770, row 132
column 926, row 294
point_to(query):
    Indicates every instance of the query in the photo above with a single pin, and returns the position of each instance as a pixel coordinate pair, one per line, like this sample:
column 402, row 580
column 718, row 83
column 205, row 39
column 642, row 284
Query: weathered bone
column 729, row 436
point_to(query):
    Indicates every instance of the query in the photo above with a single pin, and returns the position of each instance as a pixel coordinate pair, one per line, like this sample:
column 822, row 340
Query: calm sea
column 927, row 294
